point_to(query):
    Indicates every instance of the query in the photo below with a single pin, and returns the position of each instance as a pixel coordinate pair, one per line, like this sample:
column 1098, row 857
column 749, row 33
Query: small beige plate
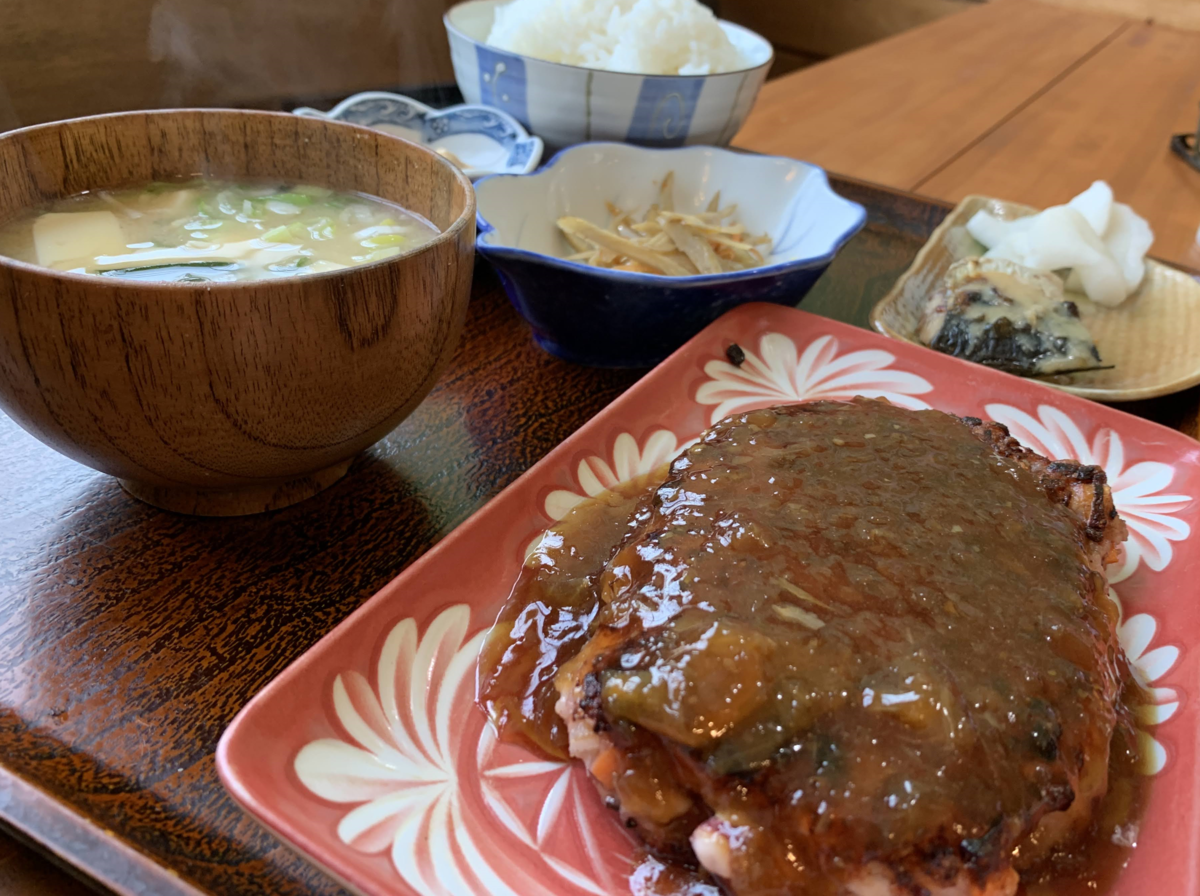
column 1152, row 339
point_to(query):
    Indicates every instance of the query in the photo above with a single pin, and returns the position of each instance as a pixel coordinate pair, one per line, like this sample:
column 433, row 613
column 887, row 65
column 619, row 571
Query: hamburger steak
column 837, row 648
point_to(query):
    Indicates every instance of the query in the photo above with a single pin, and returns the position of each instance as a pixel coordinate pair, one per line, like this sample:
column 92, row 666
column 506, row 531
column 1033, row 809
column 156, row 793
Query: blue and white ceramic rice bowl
column 484, row 139
column 567, row 104
column 611, row 318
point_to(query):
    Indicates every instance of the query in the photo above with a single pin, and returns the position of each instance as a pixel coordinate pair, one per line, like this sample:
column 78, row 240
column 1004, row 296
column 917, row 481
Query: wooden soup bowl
column 222, row 399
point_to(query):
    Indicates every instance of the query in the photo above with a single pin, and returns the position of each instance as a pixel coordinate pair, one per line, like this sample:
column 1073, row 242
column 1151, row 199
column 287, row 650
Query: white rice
column 649, row 37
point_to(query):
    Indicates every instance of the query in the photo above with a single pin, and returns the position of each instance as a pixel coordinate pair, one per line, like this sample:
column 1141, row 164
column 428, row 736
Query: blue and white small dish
column 568, row 104
column 486, row 140
column 608, row 318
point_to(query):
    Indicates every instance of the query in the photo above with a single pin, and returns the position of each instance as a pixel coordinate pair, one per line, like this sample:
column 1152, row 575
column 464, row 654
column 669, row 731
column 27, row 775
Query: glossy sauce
column 862, row 624
column 549, row 614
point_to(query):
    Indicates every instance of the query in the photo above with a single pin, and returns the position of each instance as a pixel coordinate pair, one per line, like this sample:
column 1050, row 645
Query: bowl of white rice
column 649, row 72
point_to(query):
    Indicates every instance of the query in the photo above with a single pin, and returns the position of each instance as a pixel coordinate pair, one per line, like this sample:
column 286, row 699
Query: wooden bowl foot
column 250, row 499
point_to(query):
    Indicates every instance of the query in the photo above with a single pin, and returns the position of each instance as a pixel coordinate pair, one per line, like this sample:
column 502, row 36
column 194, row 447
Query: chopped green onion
column 226, row 203
column 281, row 208
column 385, row 239
column 277, row 234
column 380, row 254
column 292, row 264
column 320, row 229
column 297, row 199
column 202, row 224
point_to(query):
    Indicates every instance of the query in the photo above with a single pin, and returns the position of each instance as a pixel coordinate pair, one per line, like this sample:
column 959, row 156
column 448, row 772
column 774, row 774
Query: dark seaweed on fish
column 1015, row 348
column 997, row 313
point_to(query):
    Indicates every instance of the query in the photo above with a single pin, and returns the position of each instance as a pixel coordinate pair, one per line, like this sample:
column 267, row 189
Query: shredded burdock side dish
column 666, row 241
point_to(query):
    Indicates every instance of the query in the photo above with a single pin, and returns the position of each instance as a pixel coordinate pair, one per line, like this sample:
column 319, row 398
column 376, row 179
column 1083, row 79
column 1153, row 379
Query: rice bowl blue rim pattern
column 375, row 108
column 655, row 110
column 502, row 82
column 483, row 228
column 662, row 115
column 664, row 110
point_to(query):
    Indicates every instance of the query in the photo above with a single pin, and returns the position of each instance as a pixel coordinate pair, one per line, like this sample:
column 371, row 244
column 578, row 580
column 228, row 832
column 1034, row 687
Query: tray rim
column 302, row 844
column 61, row 827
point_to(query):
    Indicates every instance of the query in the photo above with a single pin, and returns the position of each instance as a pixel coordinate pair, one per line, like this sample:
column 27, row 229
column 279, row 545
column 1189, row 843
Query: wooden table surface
column 1014, row 99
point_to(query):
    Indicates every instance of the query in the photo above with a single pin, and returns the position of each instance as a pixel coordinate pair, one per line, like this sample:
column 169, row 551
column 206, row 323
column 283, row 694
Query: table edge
column 105, row 859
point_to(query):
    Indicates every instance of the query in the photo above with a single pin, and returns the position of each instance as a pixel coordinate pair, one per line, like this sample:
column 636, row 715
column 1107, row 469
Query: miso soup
column 206, row 230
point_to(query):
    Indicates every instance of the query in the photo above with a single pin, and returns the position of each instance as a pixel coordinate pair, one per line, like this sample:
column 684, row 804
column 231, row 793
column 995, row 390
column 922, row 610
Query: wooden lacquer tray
column 130, row 637
column 369, row 755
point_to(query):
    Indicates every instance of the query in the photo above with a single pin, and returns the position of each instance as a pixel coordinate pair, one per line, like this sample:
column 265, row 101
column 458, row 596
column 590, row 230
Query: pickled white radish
column 1095, row 204
column 992, row 231
column 1015, row 249
column 1102, row 243
column 1128, row 238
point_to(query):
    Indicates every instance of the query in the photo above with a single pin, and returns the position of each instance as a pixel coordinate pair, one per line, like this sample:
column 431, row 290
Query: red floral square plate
column 369, row 755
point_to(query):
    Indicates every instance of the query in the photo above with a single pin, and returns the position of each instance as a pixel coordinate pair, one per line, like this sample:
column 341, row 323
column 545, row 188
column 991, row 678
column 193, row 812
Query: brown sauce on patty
column 857, row 632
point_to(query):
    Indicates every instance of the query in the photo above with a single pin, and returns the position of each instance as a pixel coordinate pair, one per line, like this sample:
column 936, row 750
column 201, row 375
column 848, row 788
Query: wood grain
column 228, row 398
column 826, row 29
column 1111, row 118
column 59, row 61
column 895, row 111
column 1175, row 13
column 130, row 637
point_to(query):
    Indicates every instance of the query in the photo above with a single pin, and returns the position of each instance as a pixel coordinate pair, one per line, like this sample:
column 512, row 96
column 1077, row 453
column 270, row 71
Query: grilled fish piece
column 843, row 649
column 996, row 312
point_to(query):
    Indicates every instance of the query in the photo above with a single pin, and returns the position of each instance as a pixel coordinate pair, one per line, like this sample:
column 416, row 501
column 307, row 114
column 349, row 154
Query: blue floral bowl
column 484, row 140
column 606, row 318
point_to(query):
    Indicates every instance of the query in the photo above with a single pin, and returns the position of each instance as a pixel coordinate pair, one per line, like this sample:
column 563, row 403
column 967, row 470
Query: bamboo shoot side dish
column 665, row 241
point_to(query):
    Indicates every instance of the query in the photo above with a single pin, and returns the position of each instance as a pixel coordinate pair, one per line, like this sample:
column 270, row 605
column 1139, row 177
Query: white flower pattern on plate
column 405, row 784
column 568, row 797
column 596, row 475
column 1136, row 634
column 779, row 374
column 409, row 738
column 1136, row 488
